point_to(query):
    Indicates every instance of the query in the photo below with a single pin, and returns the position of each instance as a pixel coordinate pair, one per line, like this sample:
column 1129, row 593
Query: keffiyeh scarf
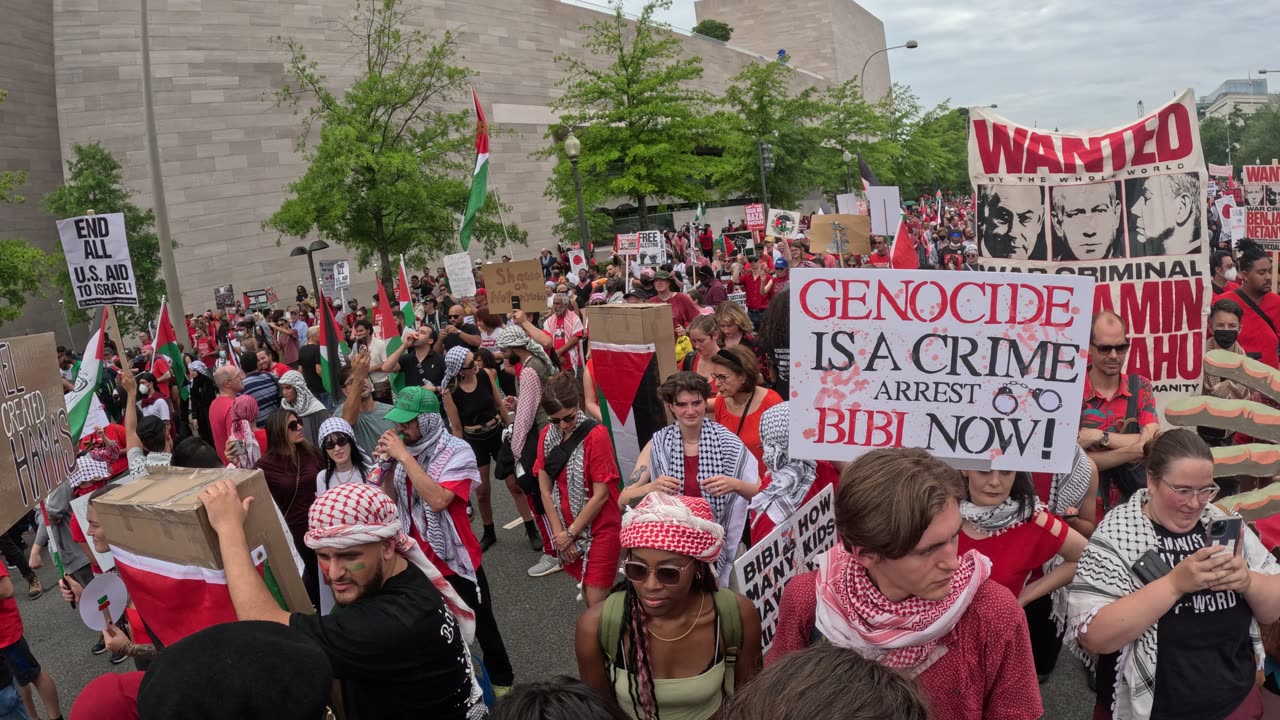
column 1104, row 576
column 790, row 478
column 435, row 452
column 453, row 364
column 575, row 480
column 515, row 337
column 1067, row 492
column 88, row 471
column 853, row 614
column 304, row 403
column 996, row 519
column 242, row 419
column 720, row 452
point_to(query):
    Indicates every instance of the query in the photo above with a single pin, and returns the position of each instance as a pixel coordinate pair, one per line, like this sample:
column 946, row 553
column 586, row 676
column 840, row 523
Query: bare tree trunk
column 642, row 203
column 380, row 235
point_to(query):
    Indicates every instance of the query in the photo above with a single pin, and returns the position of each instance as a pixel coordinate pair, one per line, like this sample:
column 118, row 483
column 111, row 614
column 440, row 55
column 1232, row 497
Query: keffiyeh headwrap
column 241, row 421
column 337, row 425
column 790, row 478
column 515, row 337
column 853, row 614
column 88, row 470
column 304, row 403
column 357, row 514
column 200, row 367
column 453, row 361
column 674, row 523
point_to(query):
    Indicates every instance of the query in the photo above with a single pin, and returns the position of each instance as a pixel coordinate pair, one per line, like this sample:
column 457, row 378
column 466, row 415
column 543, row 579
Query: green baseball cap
column 412, row 402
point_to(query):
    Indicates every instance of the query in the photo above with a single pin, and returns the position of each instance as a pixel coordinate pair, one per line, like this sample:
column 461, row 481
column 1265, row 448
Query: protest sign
column 224, row 296
column 1230, row 218
column 577, row 260
column 1124, row 206
column 653, row 251
column 739, row 297
column 1220, row 170
column 852, row 204
column 978, row 368
column 792, row 548
column 328, row 283
column 97, row 253
column 852, row 237
column 38, row 451
column 462, row 279
column 627, row 244
column 783, row 224
column 754, row 214
column 885, row 204
column 1262, row 205
column 257, row 300
column 342, row 275
column 506, row 282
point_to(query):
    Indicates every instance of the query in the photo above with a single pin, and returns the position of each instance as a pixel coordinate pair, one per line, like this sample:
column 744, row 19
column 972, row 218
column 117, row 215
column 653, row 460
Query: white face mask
column 1230, row 275
column 144, row 389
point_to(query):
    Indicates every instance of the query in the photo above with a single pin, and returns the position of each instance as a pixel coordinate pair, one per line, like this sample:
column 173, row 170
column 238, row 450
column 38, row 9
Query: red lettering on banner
column 928, row 301
column 879, row 428
column 1262, row 224
column 999, row 152
column 1042, row 154
column 1088, row 151
column 1173, row 117
column 1256, row 174
column 1142, row 136
column 1166, row 328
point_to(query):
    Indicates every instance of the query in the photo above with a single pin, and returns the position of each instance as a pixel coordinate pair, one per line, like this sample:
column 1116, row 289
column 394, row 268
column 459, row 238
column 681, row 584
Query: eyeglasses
column 295, row 425
column 338, row 441
column 638, row 572
column 1108, row 349
column 564, row 419
column 720, row 377
column 1204, row 494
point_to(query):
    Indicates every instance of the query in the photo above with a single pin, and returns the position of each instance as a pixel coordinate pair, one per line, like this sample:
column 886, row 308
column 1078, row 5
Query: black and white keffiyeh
column 443, row 456
column 1068, row 490
column 453, row 364
column 1104, row 575
column 789, row 478
column 575, row 479
column 996, row 519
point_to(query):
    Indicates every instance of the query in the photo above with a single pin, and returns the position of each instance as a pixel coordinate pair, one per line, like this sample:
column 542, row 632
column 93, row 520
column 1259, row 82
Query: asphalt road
column 536, row 616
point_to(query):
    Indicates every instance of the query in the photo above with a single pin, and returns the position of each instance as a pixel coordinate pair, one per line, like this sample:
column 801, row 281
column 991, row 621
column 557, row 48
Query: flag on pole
column 390, row 335
column 329, row 332
column 864, row 171
column 697, row 216
column 84, row 410
column 938, row 205
column 403, row 296
column 480, row 179
column 902, row 256
column 166, row 344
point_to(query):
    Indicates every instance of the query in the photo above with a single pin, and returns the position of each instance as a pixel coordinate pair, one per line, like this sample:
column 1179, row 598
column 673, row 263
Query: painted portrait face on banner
column 1011, row 221
column 1086, row 221
column 1164, row 215
column 1253, row 194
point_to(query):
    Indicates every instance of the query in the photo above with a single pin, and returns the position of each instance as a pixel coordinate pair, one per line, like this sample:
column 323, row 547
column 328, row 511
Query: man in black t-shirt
column 458, row 332
column 417, row 360
column 398, row 638
column 309, row 366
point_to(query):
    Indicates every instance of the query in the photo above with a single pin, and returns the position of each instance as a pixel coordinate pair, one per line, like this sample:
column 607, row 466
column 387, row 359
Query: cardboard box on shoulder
column 169, row 557
column 636, row 324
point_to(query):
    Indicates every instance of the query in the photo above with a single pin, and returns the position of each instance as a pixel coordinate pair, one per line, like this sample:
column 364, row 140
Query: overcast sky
column 1074, row 64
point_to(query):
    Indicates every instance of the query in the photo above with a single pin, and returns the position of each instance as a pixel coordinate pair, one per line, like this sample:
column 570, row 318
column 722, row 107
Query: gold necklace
column 701, row 603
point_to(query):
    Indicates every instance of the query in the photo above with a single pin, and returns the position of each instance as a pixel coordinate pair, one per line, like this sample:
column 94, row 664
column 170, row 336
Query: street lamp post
column 848, row 171
column 765, row 152
column 573, row 148
column 862, row 84
column 330, row 341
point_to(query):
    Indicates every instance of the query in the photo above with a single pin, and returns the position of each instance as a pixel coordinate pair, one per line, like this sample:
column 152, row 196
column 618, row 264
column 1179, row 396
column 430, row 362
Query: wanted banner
column 1124, row 206
column 97, row 253
column 983, row 370
column 1262, row 205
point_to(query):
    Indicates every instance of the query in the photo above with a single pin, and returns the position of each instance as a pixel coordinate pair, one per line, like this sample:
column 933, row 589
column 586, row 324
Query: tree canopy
column 714, row 29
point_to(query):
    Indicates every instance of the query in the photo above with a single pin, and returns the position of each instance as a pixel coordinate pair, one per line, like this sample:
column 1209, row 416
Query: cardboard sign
column 754, row 214
column 342, row 274
column 505, row 281
column 97, row 253
column 791, row 549
column 853, row 236
column 1115, row 205
column 37, row 452
column 257, row 300
column 784, row 224
column 885, row 205
column 224, row 296
column 462, row 279
column 627, row 244
column 653, row 251
column 980, row 369
column 852, row 204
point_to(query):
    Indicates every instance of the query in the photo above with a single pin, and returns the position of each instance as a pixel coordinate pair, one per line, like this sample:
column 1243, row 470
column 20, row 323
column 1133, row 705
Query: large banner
column 983, row 370
column 37, row 452
column 1123, row 205
column 1262, row 205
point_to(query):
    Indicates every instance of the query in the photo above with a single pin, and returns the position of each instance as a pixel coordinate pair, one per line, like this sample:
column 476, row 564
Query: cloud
column 1073, row 65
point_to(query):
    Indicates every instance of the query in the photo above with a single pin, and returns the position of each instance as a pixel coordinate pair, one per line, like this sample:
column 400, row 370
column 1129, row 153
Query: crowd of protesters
column 957, row 606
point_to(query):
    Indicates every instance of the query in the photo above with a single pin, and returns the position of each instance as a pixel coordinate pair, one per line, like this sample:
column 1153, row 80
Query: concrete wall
column 227, row 153
column 29, row 142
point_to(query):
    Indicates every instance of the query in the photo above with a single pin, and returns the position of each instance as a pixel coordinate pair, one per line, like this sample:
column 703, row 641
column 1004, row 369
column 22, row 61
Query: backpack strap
column 731, row 629
column 611, row 627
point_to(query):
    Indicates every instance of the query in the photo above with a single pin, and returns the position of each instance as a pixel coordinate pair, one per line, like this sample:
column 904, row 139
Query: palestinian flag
column 166, row 344
column 404, row 298
column 480, row 179
column 902, row 256
column 938, row 206
column 178, row 600
column 332, row 348
column 84, row 410
column 627, row 379
column 387, row 324
column 864, row 171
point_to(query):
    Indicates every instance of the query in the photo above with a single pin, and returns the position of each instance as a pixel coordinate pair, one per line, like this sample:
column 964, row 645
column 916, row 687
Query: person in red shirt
column 230, row 381
column 158, row 365
column 683, row 310
column 758, row 285
column 16, row 655
column 879, row 257
column 432, row 477
column 706, row 241
column 1258, row 328
column 266, row 364
column 898, row 592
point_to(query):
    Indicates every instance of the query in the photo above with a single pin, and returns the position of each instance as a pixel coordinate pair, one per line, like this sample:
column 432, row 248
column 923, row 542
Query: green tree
column 714, row 29
column 848, row 123
column 639, row 123
column 1217, row 133
column 919, row 150
column 96, row 181
column 1260, row 143
column 391, row 172
column 759, row 106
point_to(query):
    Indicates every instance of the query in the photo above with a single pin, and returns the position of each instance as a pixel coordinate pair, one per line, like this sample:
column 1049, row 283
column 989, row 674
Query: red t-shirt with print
column 10, row 620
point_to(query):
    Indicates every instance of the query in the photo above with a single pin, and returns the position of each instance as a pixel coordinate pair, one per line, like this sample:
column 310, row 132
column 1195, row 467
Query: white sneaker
column 546, row 566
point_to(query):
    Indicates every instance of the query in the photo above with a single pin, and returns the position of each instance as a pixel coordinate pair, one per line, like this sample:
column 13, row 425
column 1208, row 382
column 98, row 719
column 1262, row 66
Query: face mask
column 1230, row 275
column 1225, row 338
column 144, row 389
column 222, row 354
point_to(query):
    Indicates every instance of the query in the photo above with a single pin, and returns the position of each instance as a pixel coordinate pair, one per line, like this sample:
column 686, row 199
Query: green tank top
column 695, row 698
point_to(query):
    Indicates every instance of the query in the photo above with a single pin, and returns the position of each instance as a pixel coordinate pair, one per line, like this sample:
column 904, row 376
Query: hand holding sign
column 103, row 601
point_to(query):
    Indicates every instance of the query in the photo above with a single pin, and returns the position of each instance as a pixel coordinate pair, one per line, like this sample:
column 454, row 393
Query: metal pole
column 764, row 187
column 848, row 177
column 177, row 316
column 63, row 307
column 584, row 234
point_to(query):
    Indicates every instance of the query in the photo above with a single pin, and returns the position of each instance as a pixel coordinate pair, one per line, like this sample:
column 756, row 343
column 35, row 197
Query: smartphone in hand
column 1225, row 532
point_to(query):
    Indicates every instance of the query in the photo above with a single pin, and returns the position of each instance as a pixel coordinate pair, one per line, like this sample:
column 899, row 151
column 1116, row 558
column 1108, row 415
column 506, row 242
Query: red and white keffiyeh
column 88, row 470
column 853, row 614
column 676, row 524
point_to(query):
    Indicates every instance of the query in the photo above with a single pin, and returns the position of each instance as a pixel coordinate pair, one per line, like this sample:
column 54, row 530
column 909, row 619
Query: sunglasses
column 339, row 441
column 469, row 366
column 564, row 418
column 295, row 425
column 1108, row 349
column 638, row 572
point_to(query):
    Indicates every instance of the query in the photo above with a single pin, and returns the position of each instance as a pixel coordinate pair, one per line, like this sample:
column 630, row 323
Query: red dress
column 748, row 429
column 1018, row 554
column 598, row 466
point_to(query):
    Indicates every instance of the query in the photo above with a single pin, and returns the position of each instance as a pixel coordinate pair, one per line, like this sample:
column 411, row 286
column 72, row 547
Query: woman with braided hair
column 667, row 643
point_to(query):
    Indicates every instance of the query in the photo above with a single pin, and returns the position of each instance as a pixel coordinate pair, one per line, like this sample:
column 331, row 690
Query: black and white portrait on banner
column 1164, row 214
column 1086, row 222
column 1011, row 222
